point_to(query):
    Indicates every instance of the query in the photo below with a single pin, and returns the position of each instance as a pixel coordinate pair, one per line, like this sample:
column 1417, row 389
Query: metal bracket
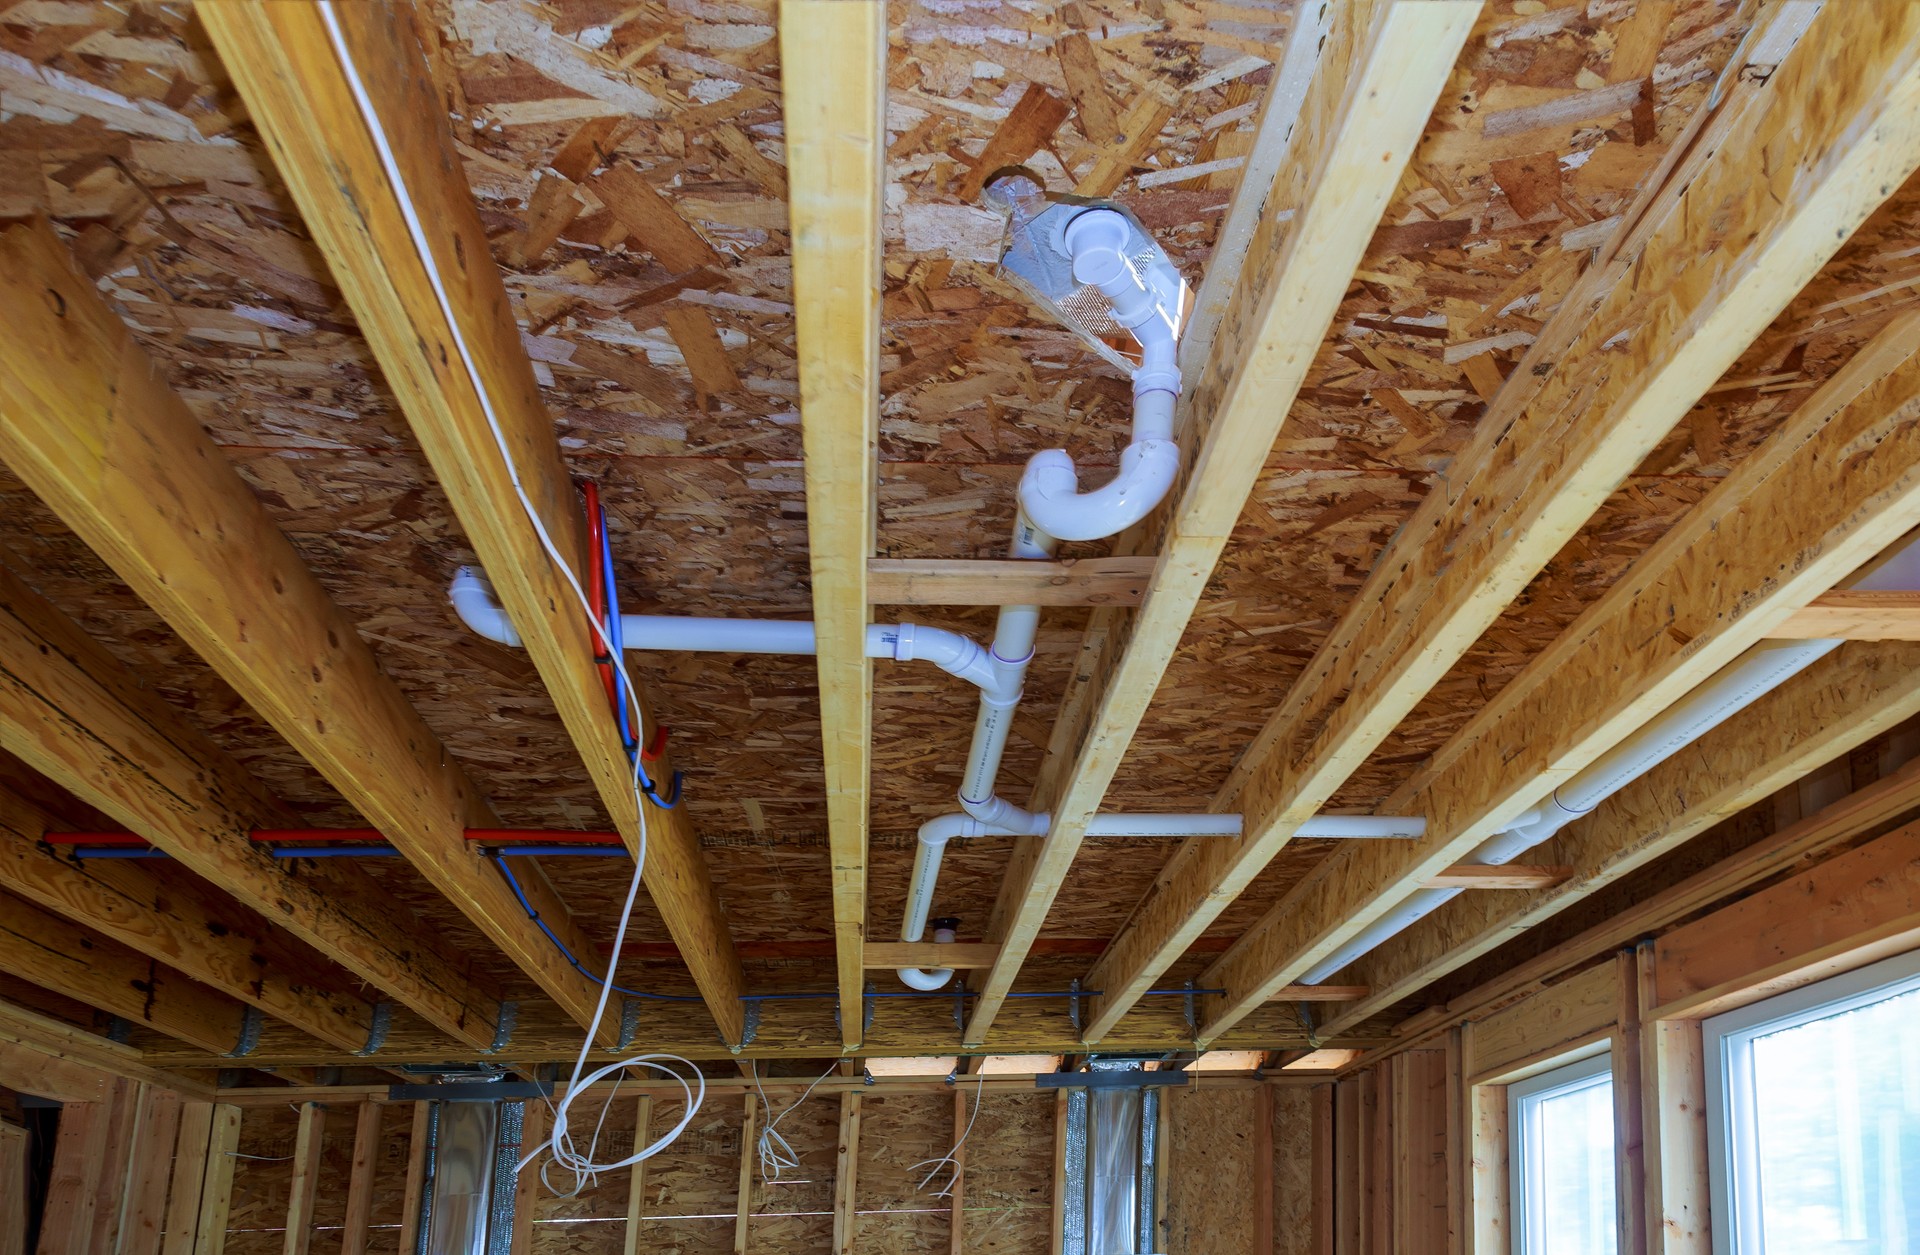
column 503, row 1028
column 629, row 1023
column 960, row 1006
column 1192, row 1014
column 250, row 1020
column 750, row 1024
column 119, row 1030
column 1073, row 1003
column 868, row 1005
column 378, row 1029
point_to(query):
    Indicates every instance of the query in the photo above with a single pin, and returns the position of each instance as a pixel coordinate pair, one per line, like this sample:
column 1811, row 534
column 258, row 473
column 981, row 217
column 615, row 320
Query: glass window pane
column 1836, row 1107
column 1576, row 1172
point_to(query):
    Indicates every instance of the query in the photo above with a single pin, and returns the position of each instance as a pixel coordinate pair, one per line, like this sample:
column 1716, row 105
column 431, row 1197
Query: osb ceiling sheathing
column 669, row 370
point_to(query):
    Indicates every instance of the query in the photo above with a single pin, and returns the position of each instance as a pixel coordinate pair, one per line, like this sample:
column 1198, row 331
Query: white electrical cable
column 776, row 1155
column 948, row 1160
column 560, row 1144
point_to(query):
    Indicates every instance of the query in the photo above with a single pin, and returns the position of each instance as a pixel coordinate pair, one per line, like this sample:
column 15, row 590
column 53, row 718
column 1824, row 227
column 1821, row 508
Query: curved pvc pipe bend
column 473, row 600
column 1049, row 490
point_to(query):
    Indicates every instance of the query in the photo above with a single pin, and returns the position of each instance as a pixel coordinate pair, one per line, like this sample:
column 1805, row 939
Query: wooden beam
column 42, row 948
column 413, row 1199
column 743, row 1207
column 94, row 430
column 1501, row 876
column 1651, row 639
column 1378, row 73
column 1292, row 76
column 957, row 1191
column 1058, row 1196
column 82, row 1147
column 1007, row 581
column 1638, row 341
column 1854, row 616
column 182, row 1222
column 836, row 140
column 787, row 1031
column 435, row 312
column 216, row 1193
column 181, row 922
column 637, row 1178
column 13, row 1189
column 150, row 1172
column 64, row 1053
column 77, row 715
column 1673, row 1095
column 304, row 1191
column 360, row 1180
column 1844, row 700
column 846, row 1162
column 931, row 954
column 1850, row 910
column 31, row 1071
column 1320, row 993
column 535, row 1124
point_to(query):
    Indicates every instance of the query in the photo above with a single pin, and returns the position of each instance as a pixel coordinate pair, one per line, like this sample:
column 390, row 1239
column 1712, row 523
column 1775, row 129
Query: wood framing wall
column 1406, row 1153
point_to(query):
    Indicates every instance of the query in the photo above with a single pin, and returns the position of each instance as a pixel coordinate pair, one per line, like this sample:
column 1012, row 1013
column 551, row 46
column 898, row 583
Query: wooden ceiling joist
column 1379, row 69
column 182, row 923
column 35, row 1046
column 93, row 429
column 1836, row 485
column 46, row 950
column 1008, row 581
column 1638, row 342
column 433, row 308
column 835, row 115
column 1842, row 701
column 1855, row 616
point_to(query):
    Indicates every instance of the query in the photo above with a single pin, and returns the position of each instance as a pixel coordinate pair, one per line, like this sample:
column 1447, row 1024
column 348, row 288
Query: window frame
column 1523, row 1161
column 1727, row 1055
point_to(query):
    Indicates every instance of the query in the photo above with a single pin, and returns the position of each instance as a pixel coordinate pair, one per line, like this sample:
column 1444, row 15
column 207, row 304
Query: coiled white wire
column 947, row 1160
column 561, row 1143
column 776, row 1156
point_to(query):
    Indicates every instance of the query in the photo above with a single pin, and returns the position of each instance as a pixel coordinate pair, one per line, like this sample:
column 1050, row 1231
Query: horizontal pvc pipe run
column 1733, row 688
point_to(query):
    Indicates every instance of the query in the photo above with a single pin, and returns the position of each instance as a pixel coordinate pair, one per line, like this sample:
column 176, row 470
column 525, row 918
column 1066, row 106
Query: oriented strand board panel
column 1292, row 1168
column 262, row 1181
column 1214, row 1171
column 898, row 1131
column 1008, row 1202
column 794, row 1215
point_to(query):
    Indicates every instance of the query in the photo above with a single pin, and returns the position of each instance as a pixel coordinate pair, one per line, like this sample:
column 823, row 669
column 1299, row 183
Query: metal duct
column 1113, row 1172
column 463, row 1177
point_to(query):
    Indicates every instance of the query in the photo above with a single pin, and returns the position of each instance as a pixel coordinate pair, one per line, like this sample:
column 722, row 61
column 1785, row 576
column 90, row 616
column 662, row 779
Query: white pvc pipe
column 1728, row 691
column 472, row 598
column 1746, row 679
column 1050, row 487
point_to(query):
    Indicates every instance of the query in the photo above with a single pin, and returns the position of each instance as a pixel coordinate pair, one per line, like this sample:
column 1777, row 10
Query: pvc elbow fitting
column 472, row 598
column 1049, row 491
column 928, row 979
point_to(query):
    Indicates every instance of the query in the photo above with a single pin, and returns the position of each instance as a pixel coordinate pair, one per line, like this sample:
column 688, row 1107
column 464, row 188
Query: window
column 1560, row 1146
column 1814, row 1103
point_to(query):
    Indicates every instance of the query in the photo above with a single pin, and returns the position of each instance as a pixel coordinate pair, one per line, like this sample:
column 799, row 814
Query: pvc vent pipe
column 1733, row 688
column 1755, row 673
